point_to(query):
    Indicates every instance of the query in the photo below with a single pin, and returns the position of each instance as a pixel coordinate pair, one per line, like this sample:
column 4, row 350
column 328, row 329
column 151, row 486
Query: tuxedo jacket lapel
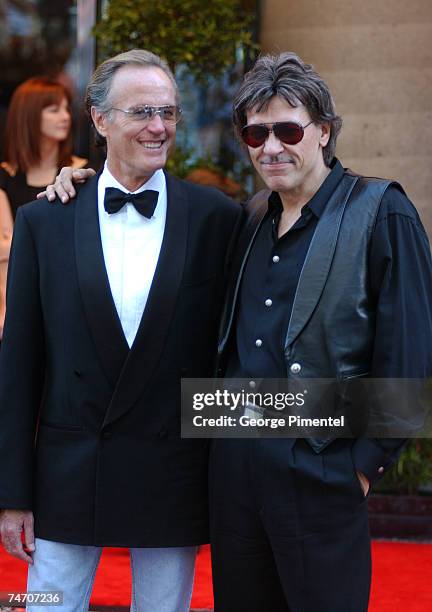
column 148, row 345
column 97, row 299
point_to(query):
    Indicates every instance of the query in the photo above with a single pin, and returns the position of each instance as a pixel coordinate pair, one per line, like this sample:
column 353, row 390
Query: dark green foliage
column 181, row 162
column 413, row 469
column 205, row 36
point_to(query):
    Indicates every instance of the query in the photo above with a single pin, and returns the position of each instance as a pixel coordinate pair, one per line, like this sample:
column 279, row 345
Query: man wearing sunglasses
column 332, row 280
column 111, row 300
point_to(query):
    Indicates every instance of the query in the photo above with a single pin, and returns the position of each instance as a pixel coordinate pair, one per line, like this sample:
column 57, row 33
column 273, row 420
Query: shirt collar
column 318, row 201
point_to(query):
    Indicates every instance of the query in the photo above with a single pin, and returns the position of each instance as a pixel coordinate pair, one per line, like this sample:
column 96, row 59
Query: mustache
column 276, row 159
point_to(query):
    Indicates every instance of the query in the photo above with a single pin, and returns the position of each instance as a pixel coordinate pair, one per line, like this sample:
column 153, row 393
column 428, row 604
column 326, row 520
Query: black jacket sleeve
column 22, row 371
column 401, row 281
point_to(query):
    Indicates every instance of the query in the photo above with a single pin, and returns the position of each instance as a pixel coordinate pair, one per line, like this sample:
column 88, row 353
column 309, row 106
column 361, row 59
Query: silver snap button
column 252, row 384
column 295, row 368
column 276, row 259
column 268, row 303
column 258, row 343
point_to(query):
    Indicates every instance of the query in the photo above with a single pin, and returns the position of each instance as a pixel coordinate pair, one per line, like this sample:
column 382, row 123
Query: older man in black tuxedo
column 110, row 301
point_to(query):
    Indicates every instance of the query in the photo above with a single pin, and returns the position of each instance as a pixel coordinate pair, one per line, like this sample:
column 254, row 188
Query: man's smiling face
column 288, row 168
column 136, row 149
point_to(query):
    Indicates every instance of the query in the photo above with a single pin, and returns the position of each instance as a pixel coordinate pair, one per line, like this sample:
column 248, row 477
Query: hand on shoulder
column 63, row 185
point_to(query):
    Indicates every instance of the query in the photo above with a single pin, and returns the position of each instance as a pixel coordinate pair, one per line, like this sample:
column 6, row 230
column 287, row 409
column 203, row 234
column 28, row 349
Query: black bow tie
column 145, row 201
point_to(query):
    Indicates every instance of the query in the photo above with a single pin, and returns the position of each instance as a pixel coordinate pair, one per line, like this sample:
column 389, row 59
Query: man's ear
column 99, row 121
column 325, row 134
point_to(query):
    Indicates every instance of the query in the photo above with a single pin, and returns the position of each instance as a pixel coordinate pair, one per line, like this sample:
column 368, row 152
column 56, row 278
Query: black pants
column 289, row 528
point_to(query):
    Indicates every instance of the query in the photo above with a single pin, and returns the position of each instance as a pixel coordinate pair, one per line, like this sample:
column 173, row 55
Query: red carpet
column 402, row 578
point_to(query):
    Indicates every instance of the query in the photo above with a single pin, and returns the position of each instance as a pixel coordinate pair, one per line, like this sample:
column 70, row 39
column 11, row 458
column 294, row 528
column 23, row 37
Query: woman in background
column 37, row 143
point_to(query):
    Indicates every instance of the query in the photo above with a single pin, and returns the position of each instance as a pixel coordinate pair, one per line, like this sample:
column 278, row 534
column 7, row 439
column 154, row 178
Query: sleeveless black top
column 17, row 190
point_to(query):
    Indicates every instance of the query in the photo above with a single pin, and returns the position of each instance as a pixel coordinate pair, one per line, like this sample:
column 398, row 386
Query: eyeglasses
column 168, row 114
column 289, row 132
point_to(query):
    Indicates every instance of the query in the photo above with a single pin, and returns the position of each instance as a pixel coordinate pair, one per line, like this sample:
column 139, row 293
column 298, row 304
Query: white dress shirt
column 131, row 245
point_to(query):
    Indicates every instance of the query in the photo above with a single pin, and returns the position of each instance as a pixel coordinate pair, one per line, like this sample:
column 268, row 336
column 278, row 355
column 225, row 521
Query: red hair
column 22, row 134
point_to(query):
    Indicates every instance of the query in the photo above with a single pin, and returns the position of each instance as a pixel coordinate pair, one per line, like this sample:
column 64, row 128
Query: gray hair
column 99, row 87
column 287, row 76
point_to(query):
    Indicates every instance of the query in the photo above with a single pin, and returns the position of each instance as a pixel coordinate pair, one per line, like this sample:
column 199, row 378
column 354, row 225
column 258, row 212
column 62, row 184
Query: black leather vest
column 331, row 330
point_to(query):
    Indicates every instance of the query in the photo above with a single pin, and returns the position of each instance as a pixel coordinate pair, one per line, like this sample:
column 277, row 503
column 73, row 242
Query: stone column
column 376, row 56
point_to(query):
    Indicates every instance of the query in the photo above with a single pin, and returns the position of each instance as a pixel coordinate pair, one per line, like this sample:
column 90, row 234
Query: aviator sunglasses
column 144, row 114
column 288, row 132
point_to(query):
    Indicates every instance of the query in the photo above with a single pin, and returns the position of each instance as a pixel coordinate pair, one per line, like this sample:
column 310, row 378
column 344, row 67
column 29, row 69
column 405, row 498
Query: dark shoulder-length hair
column 287, row 76
column 23, row 135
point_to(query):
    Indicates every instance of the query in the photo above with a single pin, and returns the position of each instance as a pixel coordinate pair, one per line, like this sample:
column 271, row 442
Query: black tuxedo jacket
column 108, row 466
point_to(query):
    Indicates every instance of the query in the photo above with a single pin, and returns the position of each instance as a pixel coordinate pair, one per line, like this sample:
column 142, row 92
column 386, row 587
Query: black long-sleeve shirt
column 400, row 276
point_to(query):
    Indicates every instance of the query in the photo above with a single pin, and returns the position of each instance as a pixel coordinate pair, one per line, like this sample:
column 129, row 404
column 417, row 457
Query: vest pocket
column 348, row 374
column 60, row 426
